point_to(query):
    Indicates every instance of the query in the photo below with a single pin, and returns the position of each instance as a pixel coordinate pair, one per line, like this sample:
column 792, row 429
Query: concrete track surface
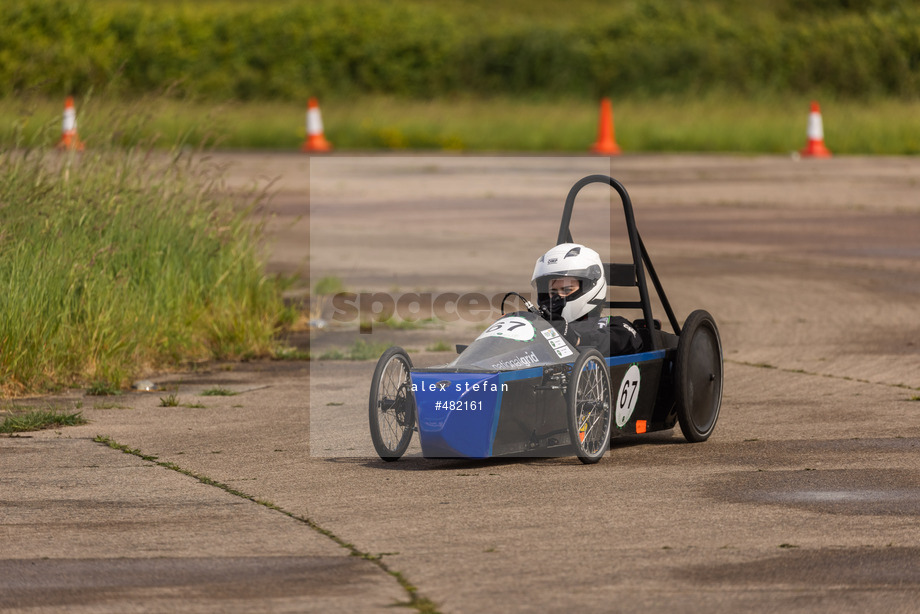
column 805, row 499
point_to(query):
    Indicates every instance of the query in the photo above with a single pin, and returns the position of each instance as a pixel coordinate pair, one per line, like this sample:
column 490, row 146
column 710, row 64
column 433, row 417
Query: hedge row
column 287, row 51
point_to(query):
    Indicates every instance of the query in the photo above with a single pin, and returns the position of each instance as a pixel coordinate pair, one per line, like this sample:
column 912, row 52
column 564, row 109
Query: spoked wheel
column 698, row 376
column 589, row 406
column 392, row 404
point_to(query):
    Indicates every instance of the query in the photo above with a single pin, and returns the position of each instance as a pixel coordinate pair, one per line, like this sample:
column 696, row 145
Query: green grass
column 218, row 391
column 36, row 420
column 329, row 284
column 440, row 346
column 323, row 290
column 359, row 350
column 706, row 123
column 109, row 406
column 118, row 260
column 170, row 400
column 699, row 124
column 396, row 323
column 290, row 353
column 102, row 388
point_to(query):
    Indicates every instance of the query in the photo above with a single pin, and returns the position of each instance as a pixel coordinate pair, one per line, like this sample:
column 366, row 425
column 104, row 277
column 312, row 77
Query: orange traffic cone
column 606, row 143
column 69, row 138
column 815, row 147
column 316, row 141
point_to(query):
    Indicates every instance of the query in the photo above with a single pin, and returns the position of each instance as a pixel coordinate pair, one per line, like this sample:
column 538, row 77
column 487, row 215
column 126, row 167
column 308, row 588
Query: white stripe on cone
column 314, row 121
column 316, row 140
column 69, row 124
column 815, row 126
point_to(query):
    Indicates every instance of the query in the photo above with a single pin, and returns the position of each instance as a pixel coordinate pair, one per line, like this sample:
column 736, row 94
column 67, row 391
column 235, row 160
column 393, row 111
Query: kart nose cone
column 457, row 413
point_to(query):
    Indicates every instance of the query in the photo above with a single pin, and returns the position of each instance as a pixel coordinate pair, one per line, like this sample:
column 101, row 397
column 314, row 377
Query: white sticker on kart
column 549, row 333
column 558, row 342
column 563, row 352
column 628, row 395
column 511, row 327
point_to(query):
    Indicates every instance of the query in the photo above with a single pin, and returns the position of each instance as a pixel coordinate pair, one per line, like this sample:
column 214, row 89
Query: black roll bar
column 637, row 247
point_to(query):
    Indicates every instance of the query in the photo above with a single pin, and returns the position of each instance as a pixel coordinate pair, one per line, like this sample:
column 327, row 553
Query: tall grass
column 114, row 261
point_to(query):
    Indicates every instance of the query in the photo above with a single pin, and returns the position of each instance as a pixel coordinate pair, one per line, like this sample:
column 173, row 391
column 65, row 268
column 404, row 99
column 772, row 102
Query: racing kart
column 521, row 388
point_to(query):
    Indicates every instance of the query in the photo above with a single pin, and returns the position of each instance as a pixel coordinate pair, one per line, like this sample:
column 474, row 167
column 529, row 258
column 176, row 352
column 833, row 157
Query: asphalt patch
column 60, row 582
column 893, row 492
column 802, row 568
column 671, row 448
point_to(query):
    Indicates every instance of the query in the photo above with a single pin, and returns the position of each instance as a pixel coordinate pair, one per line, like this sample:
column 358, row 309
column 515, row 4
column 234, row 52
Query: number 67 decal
column 510, row 327
column 628, row 395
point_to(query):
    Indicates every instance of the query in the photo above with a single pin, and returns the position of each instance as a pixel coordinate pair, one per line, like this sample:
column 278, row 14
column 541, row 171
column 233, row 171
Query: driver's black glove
column 559, row 325
column 552, row 307
column 566, row 331
column 571, row 336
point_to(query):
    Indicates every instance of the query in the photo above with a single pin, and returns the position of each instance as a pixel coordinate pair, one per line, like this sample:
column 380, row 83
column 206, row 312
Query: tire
column 590, row 410
column 698, row 376
column 391, row 407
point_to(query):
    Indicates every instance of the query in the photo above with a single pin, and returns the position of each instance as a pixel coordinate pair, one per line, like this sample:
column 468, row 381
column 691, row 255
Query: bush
column 289, row 50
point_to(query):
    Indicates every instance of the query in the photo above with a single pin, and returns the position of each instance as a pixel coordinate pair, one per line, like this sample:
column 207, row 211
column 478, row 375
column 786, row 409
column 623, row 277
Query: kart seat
column 624, row 276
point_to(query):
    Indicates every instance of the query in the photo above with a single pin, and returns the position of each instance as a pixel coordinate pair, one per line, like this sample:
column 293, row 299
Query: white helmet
column 576, row 261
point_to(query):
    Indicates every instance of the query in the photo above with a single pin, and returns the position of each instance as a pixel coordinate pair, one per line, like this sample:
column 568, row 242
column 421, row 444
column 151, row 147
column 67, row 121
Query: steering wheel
column 530, row 306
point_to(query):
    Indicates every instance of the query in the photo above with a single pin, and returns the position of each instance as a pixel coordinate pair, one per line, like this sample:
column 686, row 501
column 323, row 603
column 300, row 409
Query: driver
column 572, row 291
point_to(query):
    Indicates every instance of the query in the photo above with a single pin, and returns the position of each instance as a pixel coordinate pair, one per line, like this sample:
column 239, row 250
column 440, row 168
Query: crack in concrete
column 846, row 378
column 416, row 601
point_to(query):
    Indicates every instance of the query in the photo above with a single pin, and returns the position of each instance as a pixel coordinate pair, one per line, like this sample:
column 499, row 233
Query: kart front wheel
column 392, row 405
column 590, row 410
column 698, row 376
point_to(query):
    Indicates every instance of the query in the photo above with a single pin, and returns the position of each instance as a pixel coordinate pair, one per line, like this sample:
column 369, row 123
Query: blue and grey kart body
column 505, row 393
column 521, row 389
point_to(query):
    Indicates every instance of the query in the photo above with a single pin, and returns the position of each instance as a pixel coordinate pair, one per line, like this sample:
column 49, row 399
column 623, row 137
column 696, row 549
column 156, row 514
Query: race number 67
column 510, row 326
column 513, row 327
column 628, row 395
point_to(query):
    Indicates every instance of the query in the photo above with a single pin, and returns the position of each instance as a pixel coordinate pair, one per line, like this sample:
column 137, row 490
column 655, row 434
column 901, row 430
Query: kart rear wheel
column 698, row 376
column 392, row 405
column 589, row 407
